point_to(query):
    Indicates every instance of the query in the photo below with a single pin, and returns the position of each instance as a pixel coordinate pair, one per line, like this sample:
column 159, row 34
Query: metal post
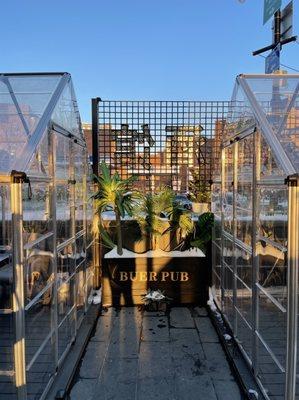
column 95, row 168
column 95, row 135
column 255, row 256
column 222, row 225
column 277, row 21
column 18, row 283
column 293, row 264
column 85, row 199
column 234, row 264
column 52, row 189
column 72, row 183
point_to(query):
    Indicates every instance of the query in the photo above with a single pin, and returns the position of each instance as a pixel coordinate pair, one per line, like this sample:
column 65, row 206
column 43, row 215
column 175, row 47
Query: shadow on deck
column 150, row 355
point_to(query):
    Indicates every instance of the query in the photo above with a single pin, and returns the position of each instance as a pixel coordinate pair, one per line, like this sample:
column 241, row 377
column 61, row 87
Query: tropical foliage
column 155, row 208
column 157, row 214
column 203, row 231
column 113, row 194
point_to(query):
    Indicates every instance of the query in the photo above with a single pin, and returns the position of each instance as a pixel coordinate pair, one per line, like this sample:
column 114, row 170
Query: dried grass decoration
column 156, row 300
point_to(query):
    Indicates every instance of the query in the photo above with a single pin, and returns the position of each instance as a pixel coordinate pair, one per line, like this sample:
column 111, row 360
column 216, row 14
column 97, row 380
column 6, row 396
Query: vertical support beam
column 95, row 135
column 72, row 185
column 95, row 168
column 222, row 224
column 18, row 283
column 255, row 256
column 293, row 264
column 235, row 191
column 52, row 190
column 85, row 200
column 3, row 194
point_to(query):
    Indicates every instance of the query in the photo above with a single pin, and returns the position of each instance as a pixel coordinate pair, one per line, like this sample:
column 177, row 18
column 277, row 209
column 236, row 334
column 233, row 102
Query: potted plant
column 114, row 194
column 161, row 220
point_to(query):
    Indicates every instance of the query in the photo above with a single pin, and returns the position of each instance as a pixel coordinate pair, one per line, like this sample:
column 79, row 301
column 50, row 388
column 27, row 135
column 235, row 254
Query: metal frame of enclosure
column 46, row 249
column 255, row 198
column 162, row 143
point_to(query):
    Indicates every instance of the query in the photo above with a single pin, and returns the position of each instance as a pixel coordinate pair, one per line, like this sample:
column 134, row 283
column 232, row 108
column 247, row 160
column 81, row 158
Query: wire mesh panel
column 162, row 143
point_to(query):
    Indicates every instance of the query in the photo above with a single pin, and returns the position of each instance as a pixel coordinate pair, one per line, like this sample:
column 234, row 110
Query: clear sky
column 139, row 49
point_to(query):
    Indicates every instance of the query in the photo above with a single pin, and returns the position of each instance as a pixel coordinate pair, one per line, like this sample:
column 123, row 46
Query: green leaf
column 106, row 238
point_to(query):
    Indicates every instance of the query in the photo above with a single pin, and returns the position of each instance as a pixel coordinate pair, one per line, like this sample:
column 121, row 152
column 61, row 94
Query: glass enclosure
column 256, row 239
column 46, row 262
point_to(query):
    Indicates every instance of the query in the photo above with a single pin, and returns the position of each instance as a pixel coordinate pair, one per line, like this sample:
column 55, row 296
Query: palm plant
column 152, row 211
column 113, row 192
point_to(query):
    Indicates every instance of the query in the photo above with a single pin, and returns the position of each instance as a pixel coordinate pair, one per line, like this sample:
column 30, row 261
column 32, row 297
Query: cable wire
column 283, row 65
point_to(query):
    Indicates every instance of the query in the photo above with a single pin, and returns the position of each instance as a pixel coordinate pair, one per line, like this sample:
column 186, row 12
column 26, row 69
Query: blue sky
column 139, row 49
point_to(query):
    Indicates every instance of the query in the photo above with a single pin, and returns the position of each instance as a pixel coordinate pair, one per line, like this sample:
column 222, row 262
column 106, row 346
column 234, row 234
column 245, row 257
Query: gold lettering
column 133, row 276
column 123, row 276
column 153, row 276
column 184, row 276
column 165, row 274
column 172, row 276
column 143, row 276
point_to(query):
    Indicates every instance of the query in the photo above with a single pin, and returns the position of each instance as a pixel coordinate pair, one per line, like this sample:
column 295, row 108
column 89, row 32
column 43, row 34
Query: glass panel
column 278, row 98
column 270, row 375
column 39, row 165
column 39, row 271
column 13, row 137
column 216, row 255
column 7, row 335
column 273, row 271
column 273, row 214
column 244, row 335
column 80, row 187
column 37, row 220
column 66, row 111
column 66, row 263
column 63, row 213
column 62, row 158
column 240, row 114
column 80, row 249
column 273, row 327
column 20, row 112
column 41, row 371
column 38, row 324
column 228, row 283
column 89, row 268
column 269, row 167
column 243, row 301
column 6, row 220
column 227, row 196
column 244, row 190
column 244, row 265
column 81, row 290
column 216, row 199
column 66, row 333
column 66, row 295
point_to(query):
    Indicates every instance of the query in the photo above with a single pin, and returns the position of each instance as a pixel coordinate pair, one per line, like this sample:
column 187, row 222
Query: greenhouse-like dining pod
column 256, row 241
column 46, row 252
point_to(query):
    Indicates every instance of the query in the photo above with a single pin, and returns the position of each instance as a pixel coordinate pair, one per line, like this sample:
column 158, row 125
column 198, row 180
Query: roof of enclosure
column 270, row 102
column 30, row 103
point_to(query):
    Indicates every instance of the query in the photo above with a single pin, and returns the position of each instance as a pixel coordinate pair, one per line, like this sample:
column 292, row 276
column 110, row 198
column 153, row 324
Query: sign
column 270, row 8
column 185, row 280
column 272, row 62
column 286, row 26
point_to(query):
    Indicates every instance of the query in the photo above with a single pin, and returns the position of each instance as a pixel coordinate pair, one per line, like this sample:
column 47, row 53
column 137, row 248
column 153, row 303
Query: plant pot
column 200, row 208
column 181, row 276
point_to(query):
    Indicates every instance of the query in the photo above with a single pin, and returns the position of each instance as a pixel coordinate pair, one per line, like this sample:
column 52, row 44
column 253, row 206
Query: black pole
column 95, row 134
column 277, row 22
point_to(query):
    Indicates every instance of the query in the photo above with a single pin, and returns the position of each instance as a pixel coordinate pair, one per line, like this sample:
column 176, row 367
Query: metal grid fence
column 162, row 143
